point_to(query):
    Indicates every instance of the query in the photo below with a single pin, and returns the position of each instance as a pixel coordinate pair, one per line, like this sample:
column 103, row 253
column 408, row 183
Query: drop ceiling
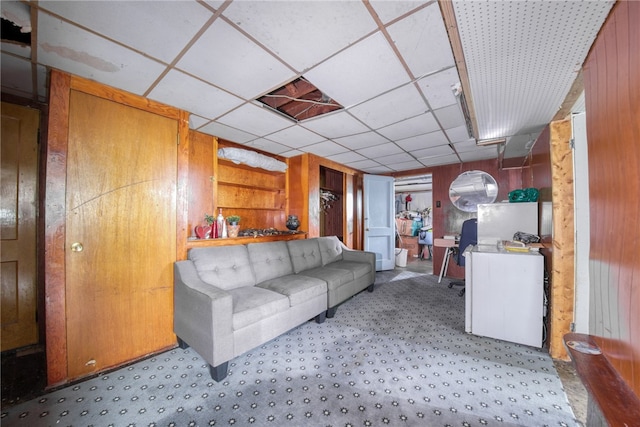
column 389, row 63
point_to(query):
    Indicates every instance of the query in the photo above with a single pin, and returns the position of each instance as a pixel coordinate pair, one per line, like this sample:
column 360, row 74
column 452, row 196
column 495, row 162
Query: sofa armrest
column 203, row 315
column 359, row 256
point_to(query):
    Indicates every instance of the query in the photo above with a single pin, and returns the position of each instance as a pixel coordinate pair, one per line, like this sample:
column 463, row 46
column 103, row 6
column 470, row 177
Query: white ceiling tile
column 382, row 150
column 482, row 153
column 438, row 88
column 196, row 121
column 363, row 140
column 325, row 149
column 442, row 160
column 414, row 164
column 292, row 153
column 391, row 107
column 237, row 64
column 256, row 120
column 141, row 25
column 417, row 125
column 426, row 153
column 450, row 117
column 396, row 158
column 276, row 24
column 265, row 144
column 193, row 95
column 458, row 134
column 468, row 145
column 361, row 72
column 335, row 125
column 16, row 49
column 348, row 157
column 296, row 137
column 380, row 169
column 15, row 75
column 390, row 10
column 227, row 132
column 363, row 164
column 432, row 139
column 67, row 47
column 422, row 40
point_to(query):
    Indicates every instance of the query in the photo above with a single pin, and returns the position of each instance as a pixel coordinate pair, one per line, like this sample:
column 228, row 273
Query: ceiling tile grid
column 389, row 63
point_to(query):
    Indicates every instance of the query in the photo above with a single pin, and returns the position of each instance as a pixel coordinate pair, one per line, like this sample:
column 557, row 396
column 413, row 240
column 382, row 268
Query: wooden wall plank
column 55, row 214
column 562, row 287
column 612, row 95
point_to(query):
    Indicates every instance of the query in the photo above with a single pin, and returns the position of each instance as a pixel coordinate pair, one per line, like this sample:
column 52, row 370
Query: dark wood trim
column 55, row 220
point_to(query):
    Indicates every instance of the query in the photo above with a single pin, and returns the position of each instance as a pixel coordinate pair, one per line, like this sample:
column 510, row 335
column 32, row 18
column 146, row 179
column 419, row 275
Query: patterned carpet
column 398, row 356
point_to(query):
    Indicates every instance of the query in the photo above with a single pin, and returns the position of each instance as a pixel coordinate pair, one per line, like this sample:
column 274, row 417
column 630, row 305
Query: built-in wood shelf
column 199, row 243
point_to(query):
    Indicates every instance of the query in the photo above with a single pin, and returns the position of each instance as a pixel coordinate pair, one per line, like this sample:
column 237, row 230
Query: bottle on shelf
column 221, row 224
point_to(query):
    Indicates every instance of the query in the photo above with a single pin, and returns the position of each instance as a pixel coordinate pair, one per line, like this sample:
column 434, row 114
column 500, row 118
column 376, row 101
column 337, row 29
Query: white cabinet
column 505, row 295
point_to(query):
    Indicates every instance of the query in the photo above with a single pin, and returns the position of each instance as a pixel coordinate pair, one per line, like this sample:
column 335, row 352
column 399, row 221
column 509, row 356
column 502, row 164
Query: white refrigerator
column 504, row 296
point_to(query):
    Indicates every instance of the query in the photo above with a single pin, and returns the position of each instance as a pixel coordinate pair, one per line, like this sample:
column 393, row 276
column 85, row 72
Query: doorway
column 414, row 221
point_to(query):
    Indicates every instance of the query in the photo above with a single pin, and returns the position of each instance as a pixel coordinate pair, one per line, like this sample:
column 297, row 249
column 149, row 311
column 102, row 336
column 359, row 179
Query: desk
column 450, row 244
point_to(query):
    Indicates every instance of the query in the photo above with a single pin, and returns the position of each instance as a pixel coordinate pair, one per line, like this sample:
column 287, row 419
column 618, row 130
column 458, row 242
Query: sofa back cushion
column 270, row 260
column 305, row 254
column 226, row 267
column 330, row 249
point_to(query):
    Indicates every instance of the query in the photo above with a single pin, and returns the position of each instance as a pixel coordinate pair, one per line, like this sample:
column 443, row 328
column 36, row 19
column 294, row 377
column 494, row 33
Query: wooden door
column 18, row 187
column 120, row 233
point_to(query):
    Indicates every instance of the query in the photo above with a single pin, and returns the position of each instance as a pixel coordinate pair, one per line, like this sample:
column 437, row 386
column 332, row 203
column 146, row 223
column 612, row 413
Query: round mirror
column 472, row 188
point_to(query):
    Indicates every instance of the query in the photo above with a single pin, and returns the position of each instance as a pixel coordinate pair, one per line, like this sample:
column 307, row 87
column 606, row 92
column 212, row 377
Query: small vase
column 233, row 230
column 293, row 222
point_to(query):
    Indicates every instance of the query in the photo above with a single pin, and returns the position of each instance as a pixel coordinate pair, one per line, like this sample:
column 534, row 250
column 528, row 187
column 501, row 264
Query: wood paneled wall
column 612, row 93
column 447, row 219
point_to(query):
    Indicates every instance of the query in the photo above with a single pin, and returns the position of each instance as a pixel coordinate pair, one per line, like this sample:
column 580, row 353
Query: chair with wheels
column 468, row 236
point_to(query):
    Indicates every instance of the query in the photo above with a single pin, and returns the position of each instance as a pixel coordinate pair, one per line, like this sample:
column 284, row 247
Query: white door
column 379, row 220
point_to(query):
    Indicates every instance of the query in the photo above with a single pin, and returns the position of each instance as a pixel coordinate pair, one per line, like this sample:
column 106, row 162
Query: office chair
column 468, row 236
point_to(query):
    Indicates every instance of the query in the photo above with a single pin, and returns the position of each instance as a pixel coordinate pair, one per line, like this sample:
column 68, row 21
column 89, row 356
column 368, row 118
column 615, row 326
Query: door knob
column 77, row 247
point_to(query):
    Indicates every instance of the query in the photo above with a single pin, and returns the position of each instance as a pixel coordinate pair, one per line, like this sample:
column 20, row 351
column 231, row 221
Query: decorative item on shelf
column 234, row 225
column 293, row 222
column 205, row 231
column 221, row 224
column 326, row 199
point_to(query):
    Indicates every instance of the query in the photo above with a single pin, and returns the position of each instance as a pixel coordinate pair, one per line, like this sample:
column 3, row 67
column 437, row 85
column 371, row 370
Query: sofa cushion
column 305, row 254
column 226, row 267
column 297, row 288
column 358, row 269
column 252, row 304
column 269, row 260
column 335, row 277
column 330, row 249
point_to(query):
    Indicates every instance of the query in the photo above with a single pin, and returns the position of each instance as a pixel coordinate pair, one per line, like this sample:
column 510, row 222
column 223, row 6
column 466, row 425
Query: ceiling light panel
column 231, row 61
column 511, row 49
column 122, row 22
column 365, row 69
column 422, row 41
column 391, row 107
column 67, row 47
column 276, row 24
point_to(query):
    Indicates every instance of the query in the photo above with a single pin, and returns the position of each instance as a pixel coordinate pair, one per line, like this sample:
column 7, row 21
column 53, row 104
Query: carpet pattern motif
column 398, row 356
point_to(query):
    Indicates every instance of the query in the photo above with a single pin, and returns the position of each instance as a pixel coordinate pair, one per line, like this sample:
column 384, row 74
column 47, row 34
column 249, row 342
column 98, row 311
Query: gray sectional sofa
column 230, row 299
